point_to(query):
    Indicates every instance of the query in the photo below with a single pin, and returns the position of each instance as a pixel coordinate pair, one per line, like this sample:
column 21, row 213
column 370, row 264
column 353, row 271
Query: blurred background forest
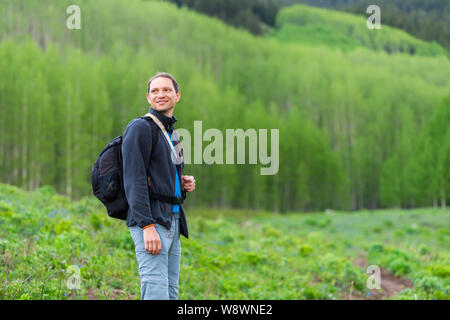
column 363, row 114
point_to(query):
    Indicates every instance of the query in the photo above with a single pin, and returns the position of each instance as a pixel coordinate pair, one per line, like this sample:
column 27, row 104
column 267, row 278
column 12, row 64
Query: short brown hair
column 164, row 75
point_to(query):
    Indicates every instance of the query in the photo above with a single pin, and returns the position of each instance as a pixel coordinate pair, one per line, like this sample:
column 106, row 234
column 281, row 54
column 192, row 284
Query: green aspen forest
column 364, row 143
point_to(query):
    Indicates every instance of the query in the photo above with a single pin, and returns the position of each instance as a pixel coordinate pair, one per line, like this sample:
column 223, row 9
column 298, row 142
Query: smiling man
column 155, row 189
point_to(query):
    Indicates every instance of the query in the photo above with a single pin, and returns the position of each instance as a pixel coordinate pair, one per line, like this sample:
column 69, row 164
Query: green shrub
column 47, row 191
column 376, row 249
column 323, row 223
column 377, row 229
column 429, row 284
column 440, row 270
column 388, row 223
column 399, row 267
column 271, row 232
column 305, row 250
column 424, row 250
column 310, row 221
column 62, row 226
column 96, row 222
column 5, row 210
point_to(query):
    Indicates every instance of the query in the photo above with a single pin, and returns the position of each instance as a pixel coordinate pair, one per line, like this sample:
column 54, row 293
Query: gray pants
column 159, row 273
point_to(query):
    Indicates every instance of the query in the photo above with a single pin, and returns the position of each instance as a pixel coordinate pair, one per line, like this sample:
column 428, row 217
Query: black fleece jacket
column 146, row 154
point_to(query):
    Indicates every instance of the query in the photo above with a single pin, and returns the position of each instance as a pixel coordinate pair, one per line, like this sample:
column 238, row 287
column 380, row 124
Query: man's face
column 162, row 96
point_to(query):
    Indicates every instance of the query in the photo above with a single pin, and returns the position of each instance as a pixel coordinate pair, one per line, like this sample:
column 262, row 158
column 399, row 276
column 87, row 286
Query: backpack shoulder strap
column 153, row 127
column 160, row 125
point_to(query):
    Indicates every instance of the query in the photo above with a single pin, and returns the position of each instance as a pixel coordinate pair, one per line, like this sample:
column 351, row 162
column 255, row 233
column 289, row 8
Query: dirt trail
column 390, row 284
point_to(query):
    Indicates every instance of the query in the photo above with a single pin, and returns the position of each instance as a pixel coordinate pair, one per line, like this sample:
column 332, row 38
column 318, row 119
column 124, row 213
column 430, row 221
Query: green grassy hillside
column 230, row 254
column 428, row 20
column 314, row 26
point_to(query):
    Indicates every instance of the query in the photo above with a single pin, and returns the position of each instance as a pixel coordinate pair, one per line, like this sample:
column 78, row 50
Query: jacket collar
column 165, row 120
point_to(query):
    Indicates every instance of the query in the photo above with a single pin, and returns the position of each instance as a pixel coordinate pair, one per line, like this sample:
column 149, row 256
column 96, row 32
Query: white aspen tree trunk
column 9, row 18
column 351, row 172
column 340, row 138
column 76, row 147
column 3, row 138
column 94, row 123
column 37, row 152
column 24, row 134
column 38, row 178
column 15, row 176
column 68, row 151
column 443, row 200
column 276, row 198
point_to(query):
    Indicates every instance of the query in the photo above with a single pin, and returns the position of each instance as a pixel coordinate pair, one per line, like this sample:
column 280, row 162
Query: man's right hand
column 152, row 240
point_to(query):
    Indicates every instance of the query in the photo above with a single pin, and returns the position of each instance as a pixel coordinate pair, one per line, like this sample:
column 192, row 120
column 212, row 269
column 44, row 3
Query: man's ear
column 178, row 96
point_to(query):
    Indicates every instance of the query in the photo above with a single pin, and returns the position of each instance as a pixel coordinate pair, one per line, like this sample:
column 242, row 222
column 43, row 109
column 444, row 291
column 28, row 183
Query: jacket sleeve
column 136, row 151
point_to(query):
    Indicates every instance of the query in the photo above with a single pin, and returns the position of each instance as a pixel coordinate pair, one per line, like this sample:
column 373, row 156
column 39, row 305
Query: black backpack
column 107, row 177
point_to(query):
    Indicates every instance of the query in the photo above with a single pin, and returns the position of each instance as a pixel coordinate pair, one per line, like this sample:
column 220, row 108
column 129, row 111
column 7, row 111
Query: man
column 151, row 183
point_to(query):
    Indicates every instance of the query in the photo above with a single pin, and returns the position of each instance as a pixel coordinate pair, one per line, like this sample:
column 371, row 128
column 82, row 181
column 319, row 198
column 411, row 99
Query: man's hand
column 187, row 183
column 152, row 240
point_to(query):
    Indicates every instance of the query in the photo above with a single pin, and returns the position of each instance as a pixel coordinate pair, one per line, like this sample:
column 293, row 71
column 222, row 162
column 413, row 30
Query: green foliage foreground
column 230, row 255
